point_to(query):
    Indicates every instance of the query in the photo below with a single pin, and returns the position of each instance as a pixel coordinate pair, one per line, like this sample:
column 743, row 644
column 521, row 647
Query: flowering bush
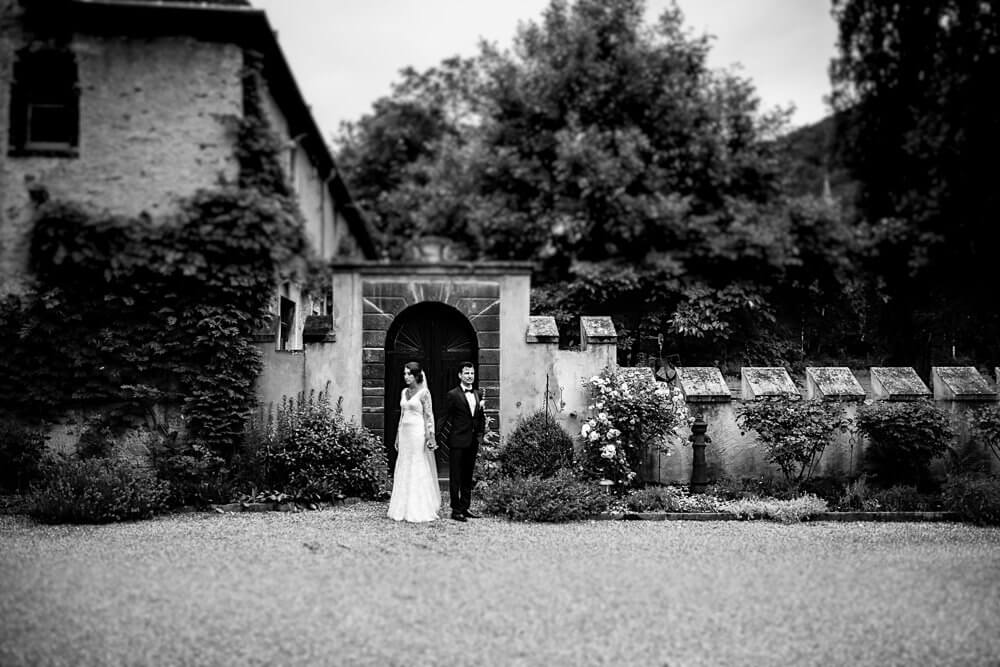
column 631, row 412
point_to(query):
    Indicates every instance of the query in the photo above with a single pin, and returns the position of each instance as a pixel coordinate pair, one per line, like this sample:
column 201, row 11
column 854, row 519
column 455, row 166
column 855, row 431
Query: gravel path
column 349, row 587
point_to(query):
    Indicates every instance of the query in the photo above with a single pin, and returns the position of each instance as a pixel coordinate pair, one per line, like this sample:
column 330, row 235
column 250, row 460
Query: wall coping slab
column 897, row 383
column 960, row 383
column 597, row 330
column 833, row 383
column 703, row 384
column 542, row 329
column 761, row 381
column 468, row 270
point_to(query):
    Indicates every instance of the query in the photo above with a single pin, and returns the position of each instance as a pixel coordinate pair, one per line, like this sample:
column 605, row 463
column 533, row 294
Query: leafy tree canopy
column 644, row 183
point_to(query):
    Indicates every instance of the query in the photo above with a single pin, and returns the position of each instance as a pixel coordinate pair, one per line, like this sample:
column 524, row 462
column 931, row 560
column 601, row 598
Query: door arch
column 441, row 338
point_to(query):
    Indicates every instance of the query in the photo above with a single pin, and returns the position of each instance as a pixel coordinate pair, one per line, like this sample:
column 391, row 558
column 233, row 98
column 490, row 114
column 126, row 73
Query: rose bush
column 630, row 413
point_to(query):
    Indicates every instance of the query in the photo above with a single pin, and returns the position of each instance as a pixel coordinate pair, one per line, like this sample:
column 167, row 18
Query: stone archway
column 440, row 338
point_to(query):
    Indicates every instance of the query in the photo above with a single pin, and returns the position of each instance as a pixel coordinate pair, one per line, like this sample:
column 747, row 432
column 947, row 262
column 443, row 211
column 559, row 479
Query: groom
column 464, row 415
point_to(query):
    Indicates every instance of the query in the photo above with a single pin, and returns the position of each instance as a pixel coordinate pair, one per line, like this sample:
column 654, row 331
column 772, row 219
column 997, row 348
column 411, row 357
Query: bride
column 416, row 495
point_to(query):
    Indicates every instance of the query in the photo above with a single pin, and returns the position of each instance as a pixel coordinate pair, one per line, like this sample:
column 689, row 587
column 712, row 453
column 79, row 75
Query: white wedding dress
column 416, row 495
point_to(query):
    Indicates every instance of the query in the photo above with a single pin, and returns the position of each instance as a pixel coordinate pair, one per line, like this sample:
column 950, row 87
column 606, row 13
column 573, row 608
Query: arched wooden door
column 441, row 339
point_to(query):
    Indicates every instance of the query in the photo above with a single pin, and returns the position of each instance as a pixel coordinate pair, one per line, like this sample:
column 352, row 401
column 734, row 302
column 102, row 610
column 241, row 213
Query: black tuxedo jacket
column 463, row 428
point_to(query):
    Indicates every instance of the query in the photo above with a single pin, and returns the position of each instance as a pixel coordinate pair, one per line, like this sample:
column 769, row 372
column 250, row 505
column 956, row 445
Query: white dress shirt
column 470, row 398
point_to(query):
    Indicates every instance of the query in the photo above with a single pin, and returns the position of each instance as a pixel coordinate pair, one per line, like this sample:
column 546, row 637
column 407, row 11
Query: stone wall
column 956, row 390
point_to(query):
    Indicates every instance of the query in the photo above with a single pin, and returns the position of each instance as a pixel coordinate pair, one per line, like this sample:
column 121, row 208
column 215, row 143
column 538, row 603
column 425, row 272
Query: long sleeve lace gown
column 416, row 495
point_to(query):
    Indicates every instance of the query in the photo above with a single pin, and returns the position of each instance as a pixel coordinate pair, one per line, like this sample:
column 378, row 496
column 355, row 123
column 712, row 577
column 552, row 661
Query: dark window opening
column 44, row 103
column 287, row 319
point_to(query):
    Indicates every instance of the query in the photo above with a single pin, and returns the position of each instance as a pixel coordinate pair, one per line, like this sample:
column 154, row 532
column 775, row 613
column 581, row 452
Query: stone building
column 131, row 106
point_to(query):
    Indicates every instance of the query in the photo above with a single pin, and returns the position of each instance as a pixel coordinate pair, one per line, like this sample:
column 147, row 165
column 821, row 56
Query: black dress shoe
column 457, row 517
column 470, row 515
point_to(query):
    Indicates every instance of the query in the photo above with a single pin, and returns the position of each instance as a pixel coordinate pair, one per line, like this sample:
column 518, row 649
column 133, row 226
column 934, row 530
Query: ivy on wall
column 129, row 314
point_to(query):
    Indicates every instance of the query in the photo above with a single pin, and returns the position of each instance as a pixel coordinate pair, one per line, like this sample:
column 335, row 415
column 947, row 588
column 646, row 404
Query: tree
column 911, row 83
column 643, row 183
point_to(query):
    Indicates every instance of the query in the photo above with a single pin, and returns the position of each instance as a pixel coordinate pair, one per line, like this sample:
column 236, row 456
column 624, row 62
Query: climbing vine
column 127, row 313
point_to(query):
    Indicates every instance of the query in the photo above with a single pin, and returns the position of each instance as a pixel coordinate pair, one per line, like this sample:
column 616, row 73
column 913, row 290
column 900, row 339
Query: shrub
column 903, row 437
column 538, row 446
column 559, row 498
column 829, row 489
column 22, row 455
column 728, row 488
column 902, row 498
column 96, row 491
column 785, row 511
column 632, row 412
column 859, row 496
column 196, row 474
column 96, row 441
column 976, row 498
column 794, row 432
column 669, row 499
column 986, row 429
column 319, row 455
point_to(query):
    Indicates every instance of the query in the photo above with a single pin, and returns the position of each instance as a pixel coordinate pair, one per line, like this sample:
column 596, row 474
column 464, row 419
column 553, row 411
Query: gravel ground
column 349, row 587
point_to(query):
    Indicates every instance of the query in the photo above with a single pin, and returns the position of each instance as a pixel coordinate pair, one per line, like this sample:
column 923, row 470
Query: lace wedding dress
column 416, row 495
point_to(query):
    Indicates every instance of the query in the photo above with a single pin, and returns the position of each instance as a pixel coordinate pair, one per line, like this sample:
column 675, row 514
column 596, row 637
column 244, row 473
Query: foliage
column 859, row 496
column 903, row 438
column 729, row 488
column 489, row 460
column 538, row 446
column 986, row 429
column 317, row 454
column 130, row 314
column 976, row 498
column 631, row 413
column 96, row 491
column 196, row 474
column 794, row 432
column 902, row 498
column 911, row 84
column 643, row 183
column 794, row 510
column 555, row 499
column 669, row 499
column 22, row 455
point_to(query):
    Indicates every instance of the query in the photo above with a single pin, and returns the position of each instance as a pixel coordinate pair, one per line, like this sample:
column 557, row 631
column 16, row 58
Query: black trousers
column 461, row 465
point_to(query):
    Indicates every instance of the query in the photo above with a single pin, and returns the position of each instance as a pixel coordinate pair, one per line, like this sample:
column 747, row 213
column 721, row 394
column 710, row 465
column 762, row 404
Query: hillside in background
column 809, row 158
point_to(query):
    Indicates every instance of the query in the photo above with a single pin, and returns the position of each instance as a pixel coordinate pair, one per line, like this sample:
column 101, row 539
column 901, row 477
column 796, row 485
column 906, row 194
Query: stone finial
column 542, row 329
column 833, row 383
column 703, row 384
column 766, row 381
column 960, row 383
column 897, row 383
column 598, row 330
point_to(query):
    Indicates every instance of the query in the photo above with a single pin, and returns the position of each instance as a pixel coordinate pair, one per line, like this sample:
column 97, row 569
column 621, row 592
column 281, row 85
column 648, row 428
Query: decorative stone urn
column 432, row 249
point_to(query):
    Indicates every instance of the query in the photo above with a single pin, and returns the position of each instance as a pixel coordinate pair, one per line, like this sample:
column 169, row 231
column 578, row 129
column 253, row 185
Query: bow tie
column 468, row 391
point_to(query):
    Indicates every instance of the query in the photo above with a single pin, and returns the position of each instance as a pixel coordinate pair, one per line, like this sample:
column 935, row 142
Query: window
column 287, row 321
column 44, row 103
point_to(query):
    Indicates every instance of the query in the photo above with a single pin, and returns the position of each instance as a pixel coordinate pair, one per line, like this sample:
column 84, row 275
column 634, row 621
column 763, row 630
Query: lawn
column 347, row 586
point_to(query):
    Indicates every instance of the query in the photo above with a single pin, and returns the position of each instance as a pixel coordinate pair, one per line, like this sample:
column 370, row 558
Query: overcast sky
column 345, row 54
